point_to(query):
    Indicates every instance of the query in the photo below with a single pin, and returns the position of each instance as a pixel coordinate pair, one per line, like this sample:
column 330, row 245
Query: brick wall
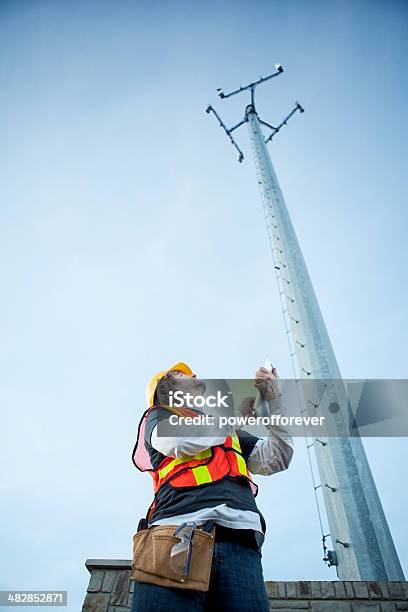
column 110, row 590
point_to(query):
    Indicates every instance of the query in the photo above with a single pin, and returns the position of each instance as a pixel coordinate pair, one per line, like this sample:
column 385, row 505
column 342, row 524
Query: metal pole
column 358, row 527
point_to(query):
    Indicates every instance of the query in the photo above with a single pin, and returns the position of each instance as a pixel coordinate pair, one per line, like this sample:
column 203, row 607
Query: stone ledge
column 111, row 590
column 105, row 564
column 337, row 589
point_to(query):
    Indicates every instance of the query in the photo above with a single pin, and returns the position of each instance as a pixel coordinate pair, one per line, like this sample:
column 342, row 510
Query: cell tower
column 362, row 545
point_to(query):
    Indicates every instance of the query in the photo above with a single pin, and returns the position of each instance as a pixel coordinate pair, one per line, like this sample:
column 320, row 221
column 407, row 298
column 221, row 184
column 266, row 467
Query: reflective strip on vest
column 167, row 468
column 242, row 468
column 202, row 474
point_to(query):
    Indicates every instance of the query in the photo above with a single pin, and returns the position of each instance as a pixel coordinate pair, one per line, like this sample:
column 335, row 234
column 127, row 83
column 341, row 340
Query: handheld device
column 268, row 365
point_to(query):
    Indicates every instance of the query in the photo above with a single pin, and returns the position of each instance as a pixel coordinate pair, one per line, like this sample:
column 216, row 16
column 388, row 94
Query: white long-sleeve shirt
column 270, row 455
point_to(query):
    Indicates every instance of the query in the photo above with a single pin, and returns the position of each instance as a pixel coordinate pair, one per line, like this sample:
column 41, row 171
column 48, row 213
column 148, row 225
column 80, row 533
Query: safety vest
column 211, row 465
column 208, row 466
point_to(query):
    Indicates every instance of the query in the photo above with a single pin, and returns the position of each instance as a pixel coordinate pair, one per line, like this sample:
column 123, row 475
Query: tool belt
column 177, row 556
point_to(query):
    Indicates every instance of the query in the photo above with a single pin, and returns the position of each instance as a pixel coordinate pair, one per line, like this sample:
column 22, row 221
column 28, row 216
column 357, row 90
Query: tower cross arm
column 210, row 109
column 251, row 86
column 275, row 130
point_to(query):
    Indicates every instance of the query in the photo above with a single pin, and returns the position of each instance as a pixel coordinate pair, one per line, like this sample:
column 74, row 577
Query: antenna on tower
column 251, row 108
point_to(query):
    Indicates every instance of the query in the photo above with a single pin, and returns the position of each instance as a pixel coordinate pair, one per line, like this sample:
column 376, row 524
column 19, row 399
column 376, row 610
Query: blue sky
column 131, row 238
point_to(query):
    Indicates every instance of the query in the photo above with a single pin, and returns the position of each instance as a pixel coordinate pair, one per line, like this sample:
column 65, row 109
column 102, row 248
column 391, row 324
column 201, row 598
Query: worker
column 204, row 483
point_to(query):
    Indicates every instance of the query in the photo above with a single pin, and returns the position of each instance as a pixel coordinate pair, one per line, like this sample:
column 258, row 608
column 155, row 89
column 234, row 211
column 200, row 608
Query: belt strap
column 245, row 537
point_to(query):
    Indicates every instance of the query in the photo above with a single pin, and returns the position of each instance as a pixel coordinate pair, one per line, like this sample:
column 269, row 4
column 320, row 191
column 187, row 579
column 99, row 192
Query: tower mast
column 363, row 548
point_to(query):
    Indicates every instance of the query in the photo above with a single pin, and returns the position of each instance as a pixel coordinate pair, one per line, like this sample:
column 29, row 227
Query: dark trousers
column 236, row 585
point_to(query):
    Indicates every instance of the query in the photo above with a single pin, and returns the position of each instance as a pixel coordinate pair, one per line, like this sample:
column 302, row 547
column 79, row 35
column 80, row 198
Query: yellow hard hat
column 152, row 384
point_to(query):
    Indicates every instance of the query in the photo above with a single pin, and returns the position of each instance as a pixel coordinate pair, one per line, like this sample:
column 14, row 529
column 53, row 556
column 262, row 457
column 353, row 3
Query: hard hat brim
column 151, row 387
column 181, row 367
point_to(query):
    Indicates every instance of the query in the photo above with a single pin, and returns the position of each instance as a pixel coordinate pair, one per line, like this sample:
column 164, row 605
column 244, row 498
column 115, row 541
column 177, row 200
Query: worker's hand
column 247, row 406
column 266, row 383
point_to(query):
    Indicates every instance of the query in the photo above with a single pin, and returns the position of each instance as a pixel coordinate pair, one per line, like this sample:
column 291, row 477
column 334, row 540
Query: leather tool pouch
column 151, row 558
